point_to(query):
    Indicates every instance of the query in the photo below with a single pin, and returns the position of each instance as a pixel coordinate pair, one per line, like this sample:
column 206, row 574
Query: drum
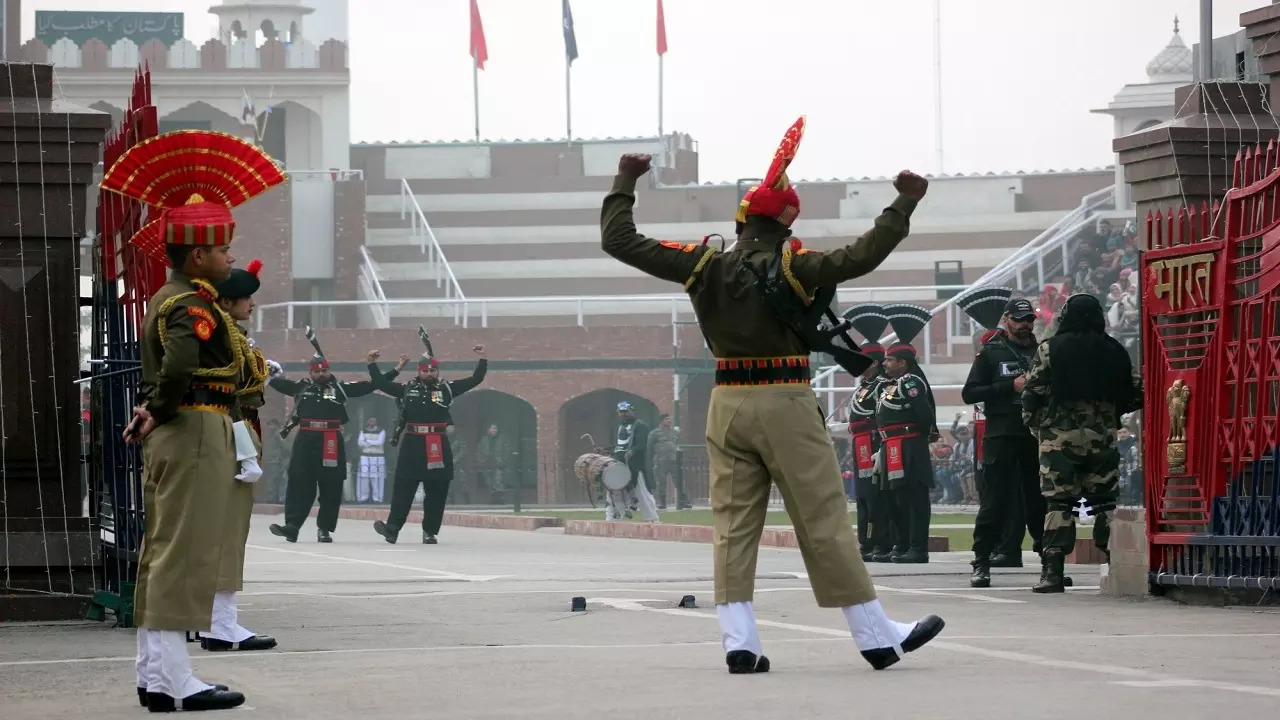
column 591, row 467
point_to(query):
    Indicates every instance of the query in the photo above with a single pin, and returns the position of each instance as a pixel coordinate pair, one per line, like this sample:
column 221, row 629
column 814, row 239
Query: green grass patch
column 704, row 517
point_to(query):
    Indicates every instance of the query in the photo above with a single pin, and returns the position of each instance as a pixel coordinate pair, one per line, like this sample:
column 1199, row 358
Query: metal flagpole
column 475, row 91
column 1206, row 41
column 660, row 93
column 568, row 99
column 937, row 80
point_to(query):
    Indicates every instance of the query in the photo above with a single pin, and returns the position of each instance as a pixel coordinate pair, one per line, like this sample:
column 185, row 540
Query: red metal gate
column 1211, row 340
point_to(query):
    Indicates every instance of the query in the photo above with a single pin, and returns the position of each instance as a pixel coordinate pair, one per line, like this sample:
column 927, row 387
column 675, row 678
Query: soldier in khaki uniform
column 194, row 451
column 764, row 424
column 235, row 297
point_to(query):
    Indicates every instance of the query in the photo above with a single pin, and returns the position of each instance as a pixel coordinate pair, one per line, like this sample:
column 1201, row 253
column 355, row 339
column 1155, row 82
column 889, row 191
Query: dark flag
column 570, row 40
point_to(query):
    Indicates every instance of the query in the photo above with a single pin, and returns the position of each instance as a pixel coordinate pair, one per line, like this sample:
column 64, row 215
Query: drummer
column 622, row 498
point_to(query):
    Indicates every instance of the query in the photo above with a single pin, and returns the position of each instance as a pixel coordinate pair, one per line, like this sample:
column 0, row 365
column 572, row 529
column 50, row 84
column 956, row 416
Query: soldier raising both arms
column 319, row 460
column 195, row 453
column 425, row 455
column 755, row 305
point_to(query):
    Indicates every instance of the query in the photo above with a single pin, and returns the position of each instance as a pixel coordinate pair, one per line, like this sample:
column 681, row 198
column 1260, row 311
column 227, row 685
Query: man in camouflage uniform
column 1081, row 382
column 664, row 441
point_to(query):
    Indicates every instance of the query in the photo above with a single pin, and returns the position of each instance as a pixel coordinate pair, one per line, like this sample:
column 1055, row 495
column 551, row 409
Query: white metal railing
column 371, row 289
column 420, row 231
column 1057, row 237
column 577, row 305
column 334, row 174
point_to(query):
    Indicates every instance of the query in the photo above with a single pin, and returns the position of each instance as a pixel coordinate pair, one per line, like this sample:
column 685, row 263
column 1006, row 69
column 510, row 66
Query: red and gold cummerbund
column 789, row 370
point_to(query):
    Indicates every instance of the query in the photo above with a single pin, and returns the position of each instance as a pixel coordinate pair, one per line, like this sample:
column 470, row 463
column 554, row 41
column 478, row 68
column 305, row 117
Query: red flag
column 662, row 30
column 479, row 51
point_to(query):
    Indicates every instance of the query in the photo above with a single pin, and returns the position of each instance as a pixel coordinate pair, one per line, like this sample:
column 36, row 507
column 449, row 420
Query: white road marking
column 947, row 593
column 442, row 574
column 213, row 657
column 1135, row 674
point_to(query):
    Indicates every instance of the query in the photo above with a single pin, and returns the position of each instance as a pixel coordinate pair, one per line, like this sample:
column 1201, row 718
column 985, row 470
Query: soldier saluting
column 755, row 305
column 319, row 461
column 425, row 455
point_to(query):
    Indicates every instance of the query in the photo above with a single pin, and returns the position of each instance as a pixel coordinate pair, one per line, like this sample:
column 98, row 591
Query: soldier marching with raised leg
column 759, row 306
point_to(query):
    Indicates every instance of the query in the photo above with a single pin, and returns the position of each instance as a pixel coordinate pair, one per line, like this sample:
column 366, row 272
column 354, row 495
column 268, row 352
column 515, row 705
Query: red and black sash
column 433, row 435
column 863, row 432
column 330, row 428
column 892, row 436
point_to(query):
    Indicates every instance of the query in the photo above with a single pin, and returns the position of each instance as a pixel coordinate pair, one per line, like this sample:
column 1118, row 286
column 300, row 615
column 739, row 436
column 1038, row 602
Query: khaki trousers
column 758, row 435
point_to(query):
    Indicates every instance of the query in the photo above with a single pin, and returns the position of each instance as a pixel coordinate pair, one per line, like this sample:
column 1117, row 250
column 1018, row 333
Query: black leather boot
column 284, row 531
column 429, row 539
column 1051, row 565
column 981, row 577
column 215, row 698
column 745, row 662
column 924, row 631
column 386, row 533
column 323, row 536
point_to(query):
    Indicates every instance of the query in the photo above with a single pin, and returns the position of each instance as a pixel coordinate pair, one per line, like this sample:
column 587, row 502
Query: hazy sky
column 1019, row 76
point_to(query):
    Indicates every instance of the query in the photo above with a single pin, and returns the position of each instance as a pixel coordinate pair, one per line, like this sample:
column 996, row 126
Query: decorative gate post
column 48, row 150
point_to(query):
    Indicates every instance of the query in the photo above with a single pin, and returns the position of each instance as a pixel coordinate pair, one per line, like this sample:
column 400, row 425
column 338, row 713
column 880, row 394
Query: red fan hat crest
column 195, row 177
column 775, row 197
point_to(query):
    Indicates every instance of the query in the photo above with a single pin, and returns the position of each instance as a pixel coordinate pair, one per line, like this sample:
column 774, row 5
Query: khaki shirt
column 185, row 337
column 737, row 320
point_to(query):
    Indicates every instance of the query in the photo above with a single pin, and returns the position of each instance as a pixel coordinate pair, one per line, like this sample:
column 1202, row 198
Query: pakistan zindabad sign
column 82, row 26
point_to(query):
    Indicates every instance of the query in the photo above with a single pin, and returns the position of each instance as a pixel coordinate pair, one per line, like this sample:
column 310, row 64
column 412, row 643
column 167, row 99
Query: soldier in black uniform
column 319, row 460
column 874, row 524
column 907, row 419
column 1009, row 497
column 425, row 457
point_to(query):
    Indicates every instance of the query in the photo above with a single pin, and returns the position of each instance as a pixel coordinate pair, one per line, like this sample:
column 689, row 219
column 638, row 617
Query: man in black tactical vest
column 425, row 455
column 1009, row 495
column 906, row 417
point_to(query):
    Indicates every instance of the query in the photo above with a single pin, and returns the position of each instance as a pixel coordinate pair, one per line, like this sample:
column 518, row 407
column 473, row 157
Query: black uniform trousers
column 412, row 470
column 875, row 523
column 309, row 477
column 1009, row 498
column 909, row 504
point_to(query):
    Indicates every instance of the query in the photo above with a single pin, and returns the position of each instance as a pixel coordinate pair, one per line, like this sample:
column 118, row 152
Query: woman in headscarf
column 1081, row 383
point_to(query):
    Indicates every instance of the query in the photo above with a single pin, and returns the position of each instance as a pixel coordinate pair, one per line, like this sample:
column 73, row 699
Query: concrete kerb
column 772, row 537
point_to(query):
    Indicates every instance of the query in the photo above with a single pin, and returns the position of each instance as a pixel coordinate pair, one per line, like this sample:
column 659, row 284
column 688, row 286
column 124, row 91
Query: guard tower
column 279, row 20
column 1139, row 106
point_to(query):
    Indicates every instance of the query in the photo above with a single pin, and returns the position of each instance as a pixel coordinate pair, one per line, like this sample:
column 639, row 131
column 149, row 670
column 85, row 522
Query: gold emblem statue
column 1178, row 397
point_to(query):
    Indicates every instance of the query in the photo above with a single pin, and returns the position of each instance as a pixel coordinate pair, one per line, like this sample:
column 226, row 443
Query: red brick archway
column 596, row 413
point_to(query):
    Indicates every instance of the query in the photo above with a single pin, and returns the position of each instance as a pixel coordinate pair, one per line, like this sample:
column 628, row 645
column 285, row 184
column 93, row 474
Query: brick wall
column 264, row 231
column 348, row 237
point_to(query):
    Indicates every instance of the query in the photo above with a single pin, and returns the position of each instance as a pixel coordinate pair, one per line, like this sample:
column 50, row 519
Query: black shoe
column 867, row 557
column 1006, row 560
column 745, row 662
column 429, row 539
column 382, row 529
column 1051, row 580
column 143, row 695
column 911, row 557
column 284, row 531
column 981, row 577
column 323, row 536
column 253, row 642
column 882, row 556
column 924, row 631
column 215, row 698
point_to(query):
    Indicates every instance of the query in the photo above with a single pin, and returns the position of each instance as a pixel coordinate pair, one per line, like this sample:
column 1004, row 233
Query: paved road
column 479, row 627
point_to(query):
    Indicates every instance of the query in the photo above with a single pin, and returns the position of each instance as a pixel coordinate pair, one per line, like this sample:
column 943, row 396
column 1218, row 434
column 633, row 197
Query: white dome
column 1174, row 62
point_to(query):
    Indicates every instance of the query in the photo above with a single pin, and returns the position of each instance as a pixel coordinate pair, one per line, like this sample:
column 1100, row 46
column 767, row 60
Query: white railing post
column 289, row 318
column 580, row 319
column 950, row 331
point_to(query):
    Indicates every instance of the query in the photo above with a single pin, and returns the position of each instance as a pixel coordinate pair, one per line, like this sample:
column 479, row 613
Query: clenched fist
column 634, row 165
column 373, row 355
column 911, row 185
column 479, row 350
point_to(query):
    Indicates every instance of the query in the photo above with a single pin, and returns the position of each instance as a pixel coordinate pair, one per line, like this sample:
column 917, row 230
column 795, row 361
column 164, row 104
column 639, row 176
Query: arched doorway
column 594, row 413
column 517, row 423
